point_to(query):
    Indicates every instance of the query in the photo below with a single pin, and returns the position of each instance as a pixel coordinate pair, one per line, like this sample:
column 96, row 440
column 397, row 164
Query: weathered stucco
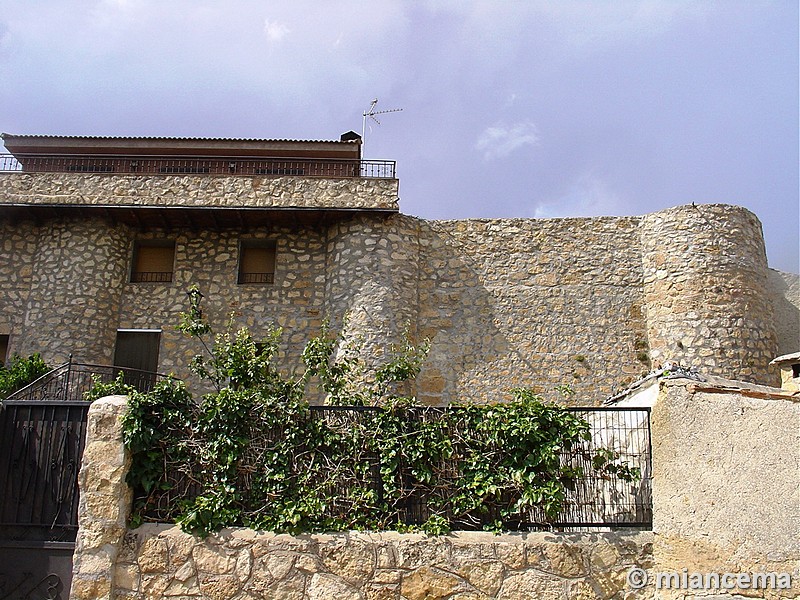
column 726, row 467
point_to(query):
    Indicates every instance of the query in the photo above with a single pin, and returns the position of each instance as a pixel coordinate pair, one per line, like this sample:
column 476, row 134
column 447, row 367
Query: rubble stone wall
column 209, row 259
column 18, row 244
column 161, row 561
column 705, row 287
column 76, row 283
column 592, row 303
column 199, row 191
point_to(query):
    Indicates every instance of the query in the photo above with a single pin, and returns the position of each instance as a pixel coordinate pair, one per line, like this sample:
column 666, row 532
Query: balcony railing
column 198, row 165
column 70, row 381
column 151, row 277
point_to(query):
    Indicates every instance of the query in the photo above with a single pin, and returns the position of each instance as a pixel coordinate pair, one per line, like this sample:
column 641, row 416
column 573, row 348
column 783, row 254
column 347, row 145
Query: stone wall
column 209, row 259
column 535, row 303
column 74, row 285
column 199, row 191
column 784, row 291
column 18, row 243
column 105, row 501
column 593, row 303
column 161, row 561
column 705, row 282
column 726, row 460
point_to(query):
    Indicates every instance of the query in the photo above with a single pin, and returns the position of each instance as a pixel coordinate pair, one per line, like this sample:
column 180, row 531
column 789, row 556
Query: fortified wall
column 592, row 302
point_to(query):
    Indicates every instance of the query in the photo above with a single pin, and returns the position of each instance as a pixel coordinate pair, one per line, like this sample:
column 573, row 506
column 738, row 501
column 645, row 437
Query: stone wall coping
column 731, row 386
column 458, row 538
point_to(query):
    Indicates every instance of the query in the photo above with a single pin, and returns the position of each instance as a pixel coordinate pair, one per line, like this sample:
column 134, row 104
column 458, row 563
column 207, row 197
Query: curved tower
column 705, row 278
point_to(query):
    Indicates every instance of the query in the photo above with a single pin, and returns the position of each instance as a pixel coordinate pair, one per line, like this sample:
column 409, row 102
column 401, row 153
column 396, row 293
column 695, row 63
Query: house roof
column 637, row 394
column 348, row 147
column 786, row 358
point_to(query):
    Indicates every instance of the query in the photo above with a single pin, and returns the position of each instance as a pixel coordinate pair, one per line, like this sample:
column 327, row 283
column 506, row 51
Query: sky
column 532, row 109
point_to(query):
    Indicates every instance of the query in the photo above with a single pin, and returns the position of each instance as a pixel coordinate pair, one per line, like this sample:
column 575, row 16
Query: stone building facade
column 590, row 302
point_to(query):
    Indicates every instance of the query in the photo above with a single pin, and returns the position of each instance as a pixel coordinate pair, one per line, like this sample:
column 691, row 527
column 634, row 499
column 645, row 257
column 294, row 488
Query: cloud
column 585, row 196
column 275, row 31
column 499, row 141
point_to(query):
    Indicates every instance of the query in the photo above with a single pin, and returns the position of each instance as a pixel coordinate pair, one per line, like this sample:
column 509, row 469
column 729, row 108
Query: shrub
column 19, row 372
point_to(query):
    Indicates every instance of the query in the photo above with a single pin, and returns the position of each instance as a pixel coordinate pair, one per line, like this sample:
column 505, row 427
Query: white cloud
column 586, row 196
column 275, row 31
column 500, row 140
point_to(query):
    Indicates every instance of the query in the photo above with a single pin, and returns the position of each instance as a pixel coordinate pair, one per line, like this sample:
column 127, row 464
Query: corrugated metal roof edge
column 168, row 138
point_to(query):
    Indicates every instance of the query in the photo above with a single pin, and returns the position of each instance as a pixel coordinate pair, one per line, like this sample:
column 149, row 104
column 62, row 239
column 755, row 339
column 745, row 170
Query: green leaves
column 256, row 454
column 19, row 372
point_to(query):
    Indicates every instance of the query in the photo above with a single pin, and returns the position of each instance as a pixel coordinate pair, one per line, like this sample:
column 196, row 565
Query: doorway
column 136, row 352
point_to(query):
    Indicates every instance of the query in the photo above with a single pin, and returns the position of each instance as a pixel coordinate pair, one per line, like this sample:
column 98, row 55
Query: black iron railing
column 257, row 278
column 196, row 165
column 151, row 277
column 42, row 436
column 597, row 499
column 70, row 382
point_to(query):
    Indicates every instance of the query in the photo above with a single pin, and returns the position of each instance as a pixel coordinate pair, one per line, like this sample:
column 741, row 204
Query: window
column 257, row 261
column 153, row 261
column 3, row 349
column 796, row 370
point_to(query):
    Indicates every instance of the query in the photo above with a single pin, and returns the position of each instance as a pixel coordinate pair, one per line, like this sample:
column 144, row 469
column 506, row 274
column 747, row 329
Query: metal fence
column 597, row 499
column 193, row 165
column 70, row 382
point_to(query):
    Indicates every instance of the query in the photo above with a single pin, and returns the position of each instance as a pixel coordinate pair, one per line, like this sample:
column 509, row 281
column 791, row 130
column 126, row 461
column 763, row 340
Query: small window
column 257, row 261
column 3, row 349
column 796, row 370
column 153, row 261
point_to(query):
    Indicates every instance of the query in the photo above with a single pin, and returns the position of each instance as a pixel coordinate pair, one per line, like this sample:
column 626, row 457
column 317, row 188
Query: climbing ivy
column 254, row 452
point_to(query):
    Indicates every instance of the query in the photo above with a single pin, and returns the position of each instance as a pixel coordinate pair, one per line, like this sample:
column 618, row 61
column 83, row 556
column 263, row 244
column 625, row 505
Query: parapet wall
column 199, row 191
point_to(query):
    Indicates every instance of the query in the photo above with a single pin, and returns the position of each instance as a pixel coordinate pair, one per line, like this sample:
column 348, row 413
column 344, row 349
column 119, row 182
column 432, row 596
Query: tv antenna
column 371, row 113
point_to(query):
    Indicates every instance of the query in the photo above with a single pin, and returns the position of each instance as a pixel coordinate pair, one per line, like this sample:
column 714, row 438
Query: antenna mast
column 371, row 112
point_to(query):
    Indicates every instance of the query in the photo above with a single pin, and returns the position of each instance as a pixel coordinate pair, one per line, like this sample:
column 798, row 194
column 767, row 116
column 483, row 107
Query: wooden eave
column 193, row 218
column 34, row 145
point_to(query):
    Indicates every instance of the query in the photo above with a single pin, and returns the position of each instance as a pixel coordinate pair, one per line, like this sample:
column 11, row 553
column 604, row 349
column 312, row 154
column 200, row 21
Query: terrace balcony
column 194, row 182
column 198, row 165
